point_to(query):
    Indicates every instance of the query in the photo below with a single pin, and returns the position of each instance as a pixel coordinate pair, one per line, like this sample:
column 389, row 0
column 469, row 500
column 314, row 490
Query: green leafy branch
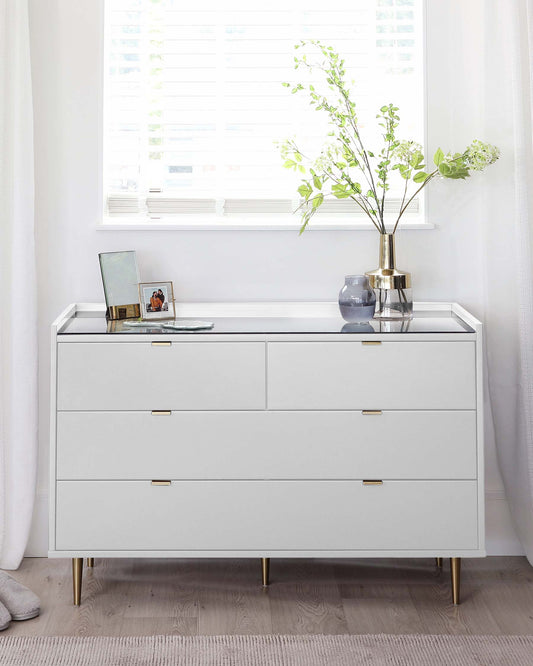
column 353, row 171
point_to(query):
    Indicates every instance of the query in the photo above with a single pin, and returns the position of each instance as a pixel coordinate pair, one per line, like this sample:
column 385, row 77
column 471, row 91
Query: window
column 193, row 101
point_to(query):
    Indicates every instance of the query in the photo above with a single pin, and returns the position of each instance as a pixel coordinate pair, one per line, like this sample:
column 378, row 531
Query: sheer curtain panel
column 18, row 314
column 507, row 241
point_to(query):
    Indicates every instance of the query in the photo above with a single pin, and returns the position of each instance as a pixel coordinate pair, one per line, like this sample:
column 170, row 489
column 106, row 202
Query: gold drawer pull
column 371, row 342
column 161, row 344
column 161, row 482
column 372, row 482
column 371, row 412
column 161, row 412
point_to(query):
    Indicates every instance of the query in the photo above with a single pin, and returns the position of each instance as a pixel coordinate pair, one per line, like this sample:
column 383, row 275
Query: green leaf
column 317, row 201
column 405, row 171
column 416, row 159
column 460, row 172
column 341, row 191
column 445, row 169
column 438, row 157
column 317, row 182
column 288, row 164
column 305, row 191
column 420, row 176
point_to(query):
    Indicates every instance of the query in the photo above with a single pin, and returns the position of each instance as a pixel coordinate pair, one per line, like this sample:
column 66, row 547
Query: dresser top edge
column 260, row 311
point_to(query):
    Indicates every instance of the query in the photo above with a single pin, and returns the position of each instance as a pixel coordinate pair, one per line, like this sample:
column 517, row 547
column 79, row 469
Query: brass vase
column 394, row 298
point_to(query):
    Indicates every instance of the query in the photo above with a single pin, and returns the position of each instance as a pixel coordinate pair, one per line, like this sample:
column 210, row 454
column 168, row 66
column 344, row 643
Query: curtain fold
column 18, row 307
column 507, row 241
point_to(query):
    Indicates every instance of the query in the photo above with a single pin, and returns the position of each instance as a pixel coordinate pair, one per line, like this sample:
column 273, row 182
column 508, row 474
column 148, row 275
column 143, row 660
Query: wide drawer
column 141, row 376
column 269, row 515
column 267, row 445
column 354, row 375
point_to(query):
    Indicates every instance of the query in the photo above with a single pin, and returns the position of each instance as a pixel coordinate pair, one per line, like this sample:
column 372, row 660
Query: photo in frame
column 157, row 300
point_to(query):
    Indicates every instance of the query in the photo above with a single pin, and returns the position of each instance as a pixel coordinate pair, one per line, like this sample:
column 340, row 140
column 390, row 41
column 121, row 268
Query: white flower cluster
column 330, row 153
column 405, row 150
column 479, row 155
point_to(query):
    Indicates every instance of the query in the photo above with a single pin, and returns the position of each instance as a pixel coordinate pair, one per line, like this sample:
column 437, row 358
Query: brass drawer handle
column 161, row 344
column 371, row 412
column 160, row 482
column 371, row 342
column 161, row 412
column 372, row 482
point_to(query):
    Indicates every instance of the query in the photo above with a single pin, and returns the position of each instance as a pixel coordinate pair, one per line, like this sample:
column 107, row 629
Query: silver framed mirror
column 120, row 276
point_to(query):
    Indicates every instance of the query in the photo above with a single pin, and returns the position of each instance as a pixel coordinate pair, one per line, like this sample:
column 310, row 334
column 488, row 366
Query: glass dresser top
column 93, row 323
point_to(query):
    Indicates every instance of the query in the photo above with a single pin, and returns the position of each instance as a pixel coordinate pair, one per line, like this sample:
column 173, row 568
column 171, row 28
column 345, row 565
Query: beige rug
column 412, row 650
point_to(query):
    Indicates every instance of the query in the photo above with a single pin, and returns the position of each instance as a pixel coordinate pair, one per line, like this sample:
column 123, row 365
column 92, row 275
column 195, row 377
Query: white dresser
column 279, row 433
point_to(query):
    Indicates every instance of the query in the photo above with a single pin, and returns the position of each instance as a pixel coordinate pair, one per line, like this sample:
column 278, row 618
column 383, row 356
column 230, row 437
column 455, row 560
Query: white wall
column 445, row 262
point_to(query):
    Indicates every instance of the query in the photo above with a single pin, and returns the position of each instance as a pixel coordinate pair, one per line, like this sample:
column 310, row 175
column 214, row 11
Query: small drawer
column 141, row 376
column 267, row 445
column 266, row 515
column 391, row 375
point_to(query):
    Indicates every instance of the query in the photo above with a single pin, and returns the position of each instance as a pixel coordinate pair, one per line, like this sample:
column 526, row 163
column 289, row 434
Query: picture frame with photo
column 157, row 300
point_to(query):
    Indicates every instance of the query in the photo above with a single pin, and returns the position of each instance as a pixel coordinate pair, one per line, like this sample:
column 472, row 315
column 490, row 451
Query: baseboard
column 501, row 537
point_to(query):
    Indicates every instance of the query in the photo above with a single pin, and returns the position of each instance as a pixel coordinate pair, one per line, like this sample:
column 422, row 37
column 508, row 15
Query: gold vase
column 394, row 298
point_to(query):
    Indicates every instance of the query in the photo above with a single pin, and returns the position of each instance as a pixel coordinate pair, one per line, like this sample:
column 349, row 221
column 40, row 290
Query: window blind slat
column 127, row 204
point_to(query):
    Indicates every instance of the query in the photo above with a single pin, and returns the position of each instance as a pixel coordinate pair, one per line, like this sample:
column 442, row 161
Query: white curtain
column 18, row 305
column 507, row 239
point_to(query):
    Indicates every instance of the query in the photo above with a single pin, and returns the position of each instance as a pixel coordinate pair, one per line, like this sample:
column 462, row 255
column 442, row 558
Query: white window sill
column 246, row 223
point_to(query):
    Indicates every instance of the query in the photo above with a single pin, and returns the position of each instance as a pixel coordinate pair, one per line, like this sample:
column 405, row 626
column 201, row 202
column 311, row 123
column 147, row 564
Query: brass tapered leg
column 265, row 570
column 77, row 571
column 439, row 561
column 90, row 562
column 455, row 565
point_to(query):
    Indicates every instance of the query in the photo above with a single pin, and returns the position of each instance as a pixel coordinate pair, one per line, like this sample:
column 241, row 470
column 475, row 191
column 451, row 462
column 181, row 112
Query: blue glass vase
column 357, row 300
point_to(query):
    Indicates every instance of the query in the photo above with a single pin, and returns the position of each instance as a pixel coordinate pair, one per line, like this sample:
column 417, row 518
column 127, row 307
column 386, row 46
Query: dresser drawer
column 141, row 376
column 269, row 515
column 390, row 375
column 267, row 445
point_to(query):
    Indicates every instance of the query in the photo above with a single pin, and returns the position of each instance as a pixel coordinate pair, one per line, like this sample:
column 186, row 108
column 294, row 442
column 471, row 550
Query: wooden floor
column 140, row 597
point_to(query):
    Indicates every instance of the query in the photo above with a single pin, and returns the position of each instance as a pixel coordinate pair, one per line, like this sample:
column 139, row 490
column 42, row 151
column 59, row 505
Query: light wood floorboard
column 141, row 597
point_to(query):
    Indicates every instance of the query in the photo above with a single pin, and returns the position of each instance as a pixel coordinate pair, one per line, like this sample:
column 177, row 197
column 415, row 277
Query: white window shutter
column 193, row 101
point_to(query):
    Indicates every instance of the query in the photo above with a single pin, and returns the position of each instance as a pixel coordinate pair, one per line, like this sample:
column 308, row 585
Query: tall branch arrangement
column 346, row 169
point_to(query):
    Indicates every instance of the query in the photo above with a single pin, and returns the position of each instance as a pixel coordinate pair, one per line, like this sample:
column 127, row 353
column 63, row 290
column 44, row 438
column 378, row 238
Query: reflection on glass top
column 422, row 322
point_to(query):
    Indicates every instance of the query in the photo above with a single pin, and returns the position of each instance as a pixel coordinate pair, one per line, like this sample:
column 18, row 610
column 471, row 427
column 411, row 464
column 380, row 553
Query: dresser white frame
column 207, row 310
